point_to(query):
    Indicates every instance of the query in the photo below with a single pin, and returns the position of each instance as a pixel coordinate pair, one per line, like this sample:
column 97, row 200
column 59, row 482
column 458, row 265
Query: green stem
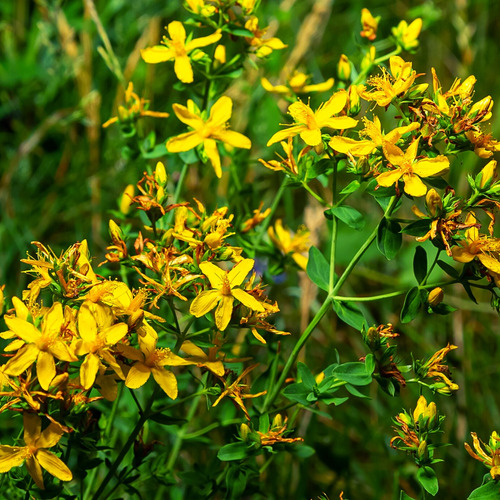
column 265, row 223
column 177, row 193
column 361, row 77
column 370, row 298
column 424, row 281
column 313, row 194
column 323, row 309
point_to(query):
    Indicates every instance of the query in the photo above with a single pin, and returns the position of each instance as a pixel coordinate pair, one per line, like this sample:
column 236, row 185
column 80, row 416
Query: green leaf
column 162, row 419
column 412, row 305
column 448, row 269
column 369, row 363
column 351, row 187
column 352, row 390
column 420, row 264
column 348, row 215
column 233, row 451
column 350, row 313
column 404, row 496
column 417, row 228
column 389, row 238
column 318, row 269
column 303, row 451
column 428, row 480
column 306, row 376
column 157, row 152
column 317, row 168
column 488, row 491
column 353, row 373
column 298, row 393
column 334, row 401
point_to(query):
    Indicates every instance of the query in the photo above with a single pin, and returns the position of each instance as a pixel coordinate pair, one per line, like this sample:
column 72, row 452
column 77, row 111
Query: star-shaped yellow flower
column 225, row 288
column 35, row 453
column 178, row 49
column 410, row 169
column 207, row 132
column 309, row 123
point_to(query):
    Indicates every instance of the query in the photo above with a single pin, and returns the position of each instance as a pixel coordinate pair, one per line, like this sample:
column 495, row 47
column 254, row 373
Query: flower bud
column 344, row 67
column 407, row 35
column 2, row 298
column 160, row 174
column 486, row 175
column 126, row 199
column 433, row 202
column 123, row 113
column 368, row 59
column 422, row 449
column 244, row 431
column 435, row 297
column 420, row 408
column 277, row 421
column 115, row 232
column 353, row 102
column 220, row 54
column 370, row 25
column 481, row 110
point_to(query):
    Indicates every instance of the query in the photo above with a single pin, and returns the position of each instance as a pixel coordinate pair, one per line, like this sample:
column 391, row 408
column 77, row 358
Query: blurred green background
column 61, row 174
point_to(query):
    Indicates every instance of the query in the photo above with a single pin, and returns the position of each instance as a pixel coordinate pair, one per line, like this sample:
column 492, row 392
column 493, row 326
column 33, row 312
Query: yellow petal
column 411, row 153
column 431, row 166
column 394, row 154
column 246, row 299
column 177, row 32
column 333, row 106
column 87, row 326
column 387, row 179
column 137, row 376
column 224, row 311
column 11, row 456
column 183, row 69
column 203, row 41
column 215, row 274
column 35, row 471
column 32, row 427
column 61, row 351
column 213, row 155
column 24, row 330
column 166, row 380
column 285, row 134
column 88, row 370
column 157, row 54
column 184, row 142
column 204, row 302
column 54, row 465
column 311, row 137
column 319, row 87
column 193, row 350
column 489, row 262
column 45, row 369
column 340, row 122
column 22, row 360
column 233, row 138
column 346, row 145
column 114, row 334
column 50, row 436
column 414, row 185
column 240, row 271
column 301, row 260
column 221, row 111
column 187, row 117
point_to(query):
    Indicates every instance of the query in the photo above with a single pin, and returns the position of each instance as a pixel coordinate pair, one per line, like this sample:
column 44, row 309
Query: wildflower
column 197, row 356
column 150, row 360
column 424, row 413
column 484, row 144
column 262, row 46
column 136, row 107
column 225, row 288
column 370, row 25
column 295, row 244
column 255, row 220
column 35, row 452
column 372, row 130
column 434, row 368
column 98, row 336
column 486, row 249
column 178, row 49
column 276, row 432
column 235, row 391
column 407, row 35
column 287, row 164
column 491, row 457
column 40, row 346
column 309, row 123
column 201, row 8
column 389, row 86
column 410, row 169
column 297, row 84
column 207, row 132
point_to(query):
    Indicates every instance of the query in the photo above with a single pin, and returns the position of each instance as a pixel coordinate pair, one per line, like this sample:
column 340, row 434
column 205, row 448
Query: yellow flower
column 309, row 123
column 485, row 248
column 40, row 346
column 389, row 86
column 207, row 132
column 427, row 411
column 98, row 335
column 490, row 457
column 178, row 49
column 200, row 8
column 484, row 144
column 257, row 218
column 373, row 130
column 295, row 244
column 225, row 288
column 275, row 433
column 287, row 164
column 198, row 357
column 407, row 35
column 410, row 169
column 434, row 367
column 370, row 25
column 136, row 107
column 263, row 46
column 151, row 360
column 35, row 452
column 297, row 84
